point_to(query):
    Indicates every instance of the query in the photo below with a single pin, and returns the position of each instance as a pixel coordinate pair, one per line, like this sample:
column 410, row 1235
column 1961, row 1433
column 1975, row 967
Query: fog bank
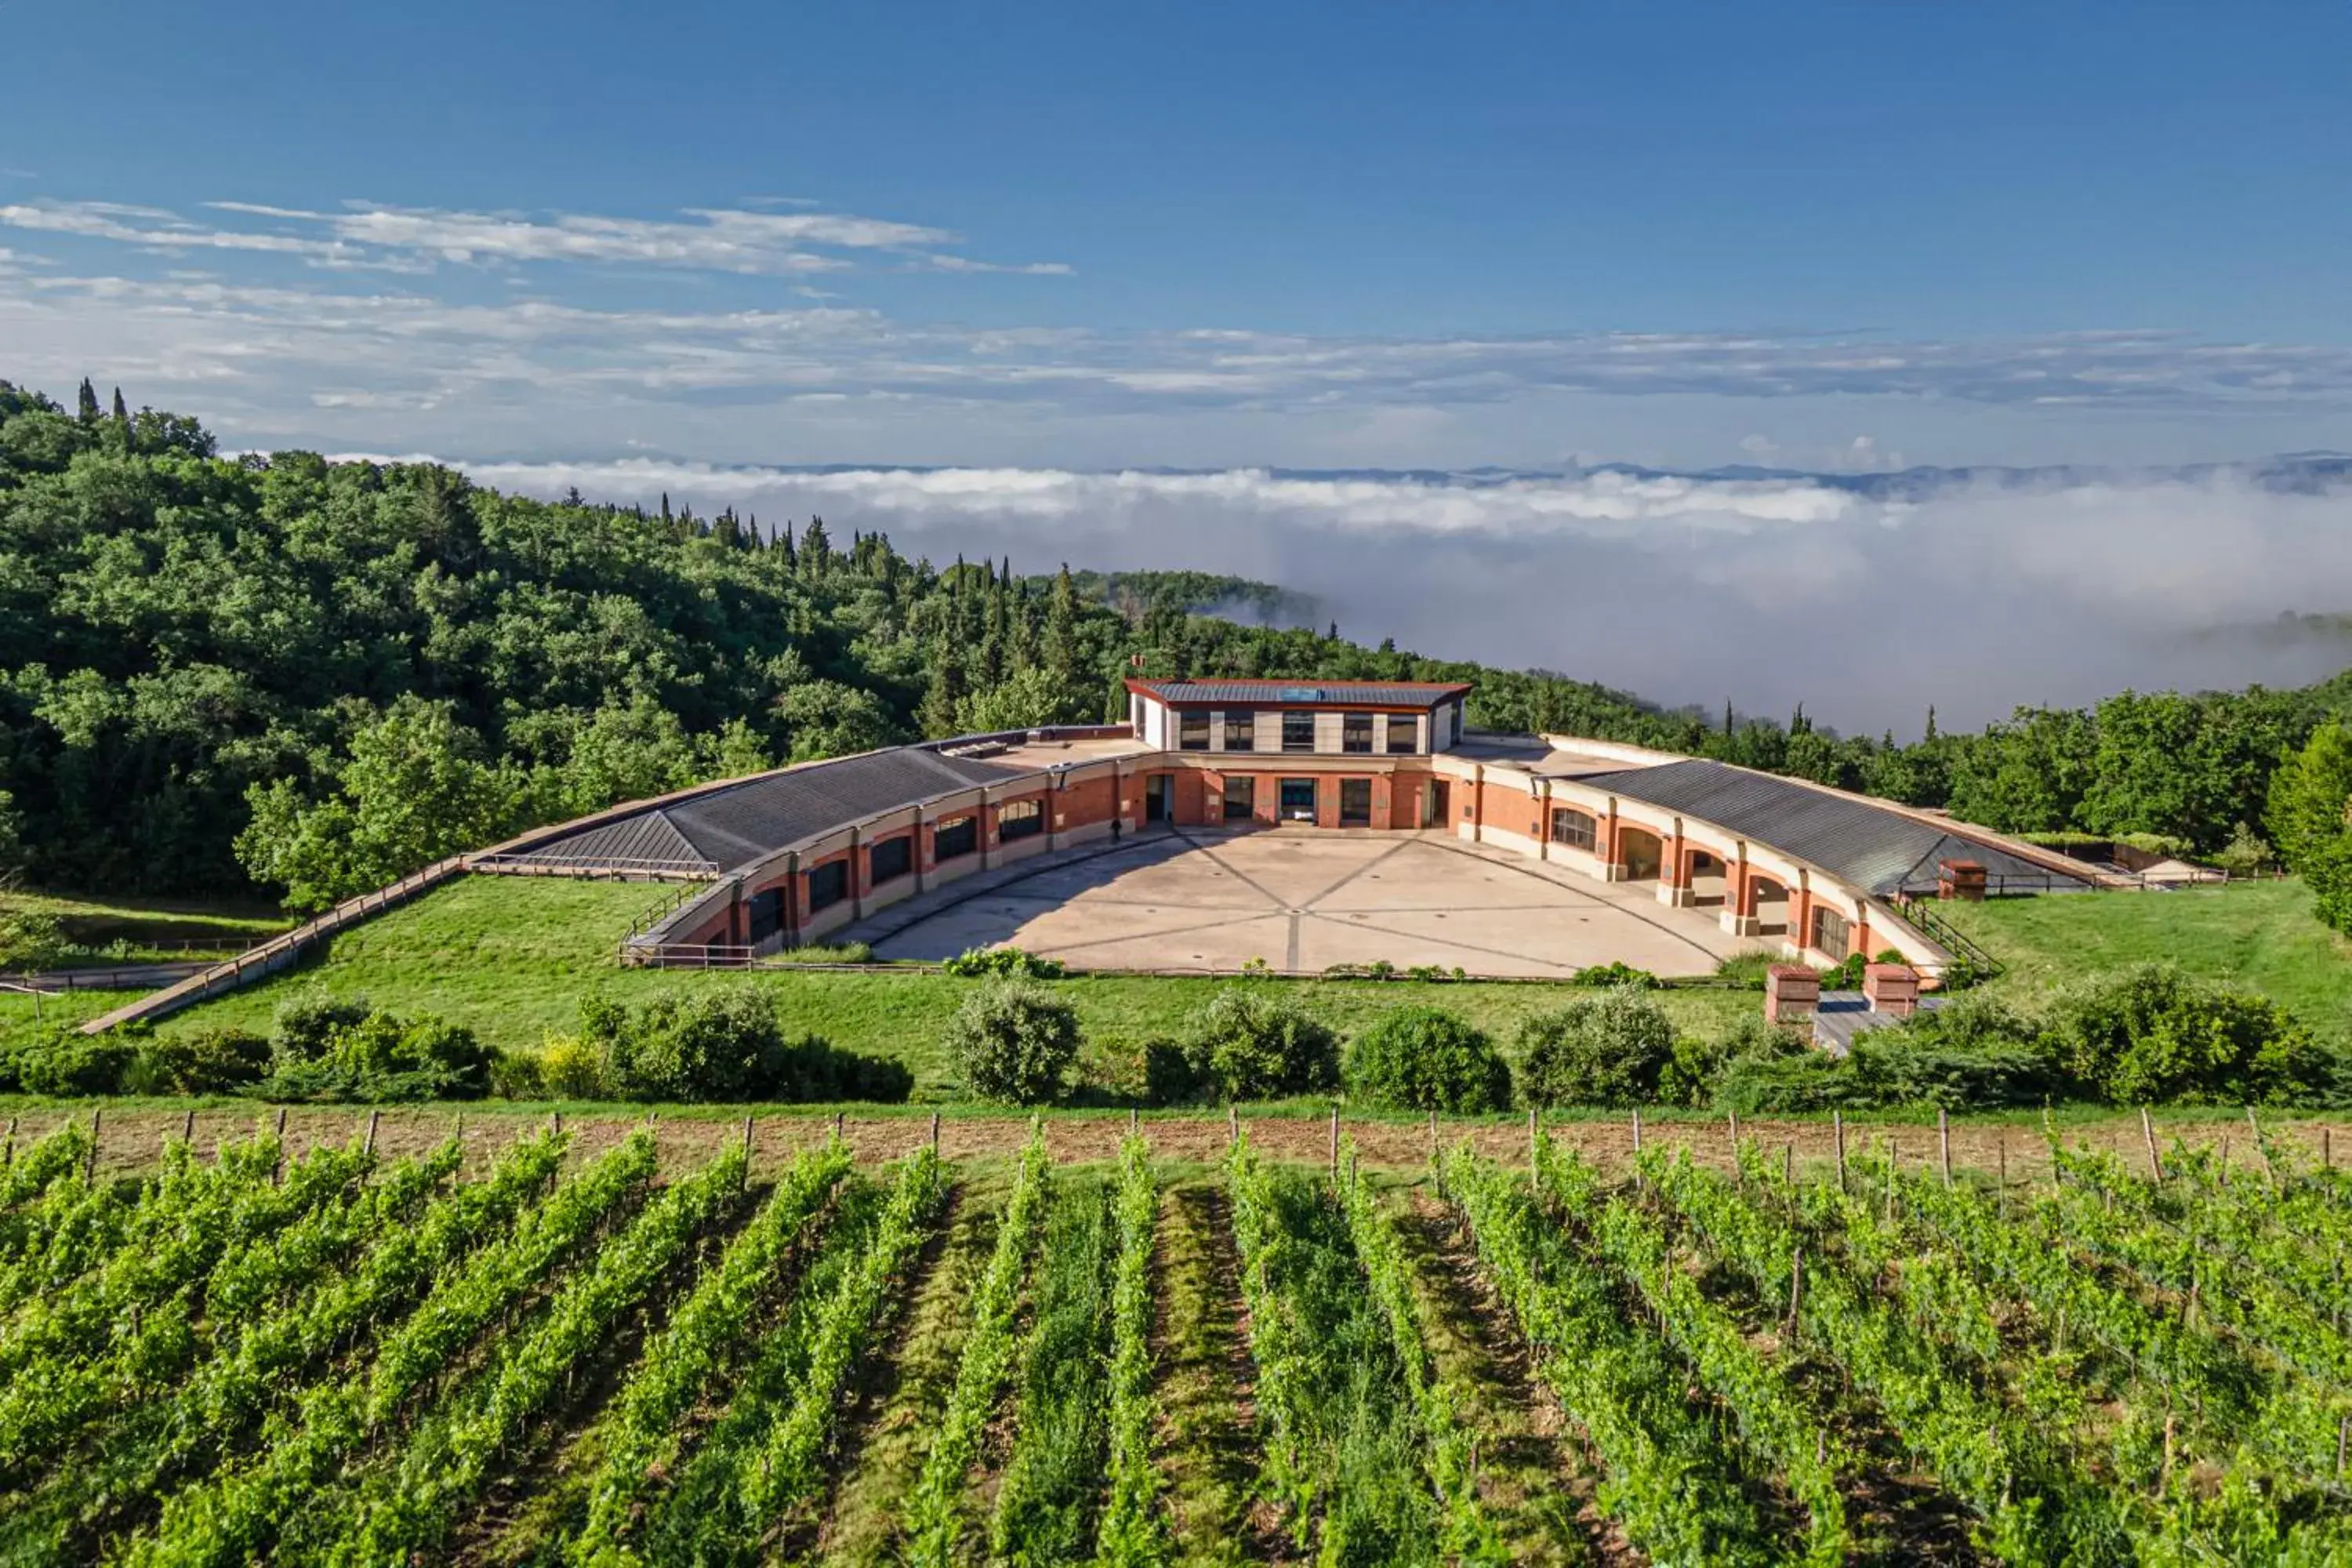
column 1975, row 596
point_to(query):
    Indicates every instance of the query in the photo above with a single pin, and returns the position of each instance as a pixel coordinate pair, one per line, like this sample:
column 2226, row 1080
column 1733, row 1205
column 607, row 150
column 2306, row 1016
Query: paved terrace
column 1302, row 899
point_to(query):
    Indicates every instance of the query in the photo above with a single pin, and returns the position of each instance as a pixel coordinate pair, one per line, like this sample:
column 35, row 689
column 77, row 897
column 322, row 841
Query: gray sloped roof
column 646, row 841
column 1867, row 846
column 1398, row 695
column 746, row 822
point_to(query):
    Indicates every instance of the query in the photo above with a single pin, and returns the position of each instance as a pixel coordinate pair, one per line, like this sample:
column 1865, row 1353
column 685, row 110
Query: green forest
column 223, row 674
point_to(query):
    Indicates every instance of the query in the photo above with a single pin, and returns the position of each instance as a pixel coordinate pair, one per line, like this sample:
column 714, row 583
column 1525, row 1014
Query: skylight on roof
column 1299, row 694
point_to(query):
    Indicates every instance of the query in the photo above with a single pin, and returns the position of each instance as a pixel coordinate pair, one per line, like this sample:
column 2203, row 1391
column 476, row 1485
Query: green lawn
column 2260, row 936
column 510, row 957
column 149, row 929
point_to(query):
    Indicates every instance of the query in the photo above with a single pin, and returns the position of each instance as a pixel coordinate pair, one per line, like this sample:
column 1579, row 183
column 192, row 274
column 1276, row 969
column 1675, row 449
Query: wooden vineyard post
column 1233, row 1124
column 277, row 1172
column 747, row 1150
column 1837, row 1126
column 2254, row 1128
column 1795, row 1285
column 1788, row 1165
column 1534, row 1132
column 8, row 1146
column 2147, row 1133
column 2000, row 1183
column 1894, row 1157
column 188, row 1129
column 934, row 1131
column 1944, row 1144
column 2343, row 1432
column 1134, row 1119
column 1432, row 1138
column 836, row 1126
column 1737, row 1178
column 555, row 1121
column 90, row 1165
column 1335, row 1145
column 2222, row 1176
column 2326, row 1154
column 367, row 1150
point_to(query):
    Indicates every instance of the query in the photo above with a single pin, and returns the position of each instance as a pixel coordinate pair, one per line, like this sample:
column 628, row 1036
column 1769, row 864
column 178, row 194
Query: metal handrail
column 1953, row 940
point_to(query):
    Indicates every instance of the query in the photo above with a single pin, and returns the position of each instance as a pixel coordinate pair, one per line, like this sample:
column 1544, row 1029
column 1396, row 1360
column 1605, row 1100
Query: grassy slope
column 2259, row 935
column 510, row 957
column 153, row 928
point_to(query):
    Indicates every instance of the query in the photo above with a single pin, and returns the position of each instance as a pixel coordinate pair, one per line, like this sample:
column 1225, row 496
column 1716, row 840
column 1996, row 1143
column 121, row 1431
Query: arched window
column 1575, row 829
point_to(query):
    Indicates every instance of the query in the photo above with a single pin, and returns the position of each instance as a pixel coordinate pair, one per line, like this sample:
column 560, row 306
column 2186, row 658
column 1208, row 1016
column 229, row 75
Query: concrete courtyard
column 1303, row 900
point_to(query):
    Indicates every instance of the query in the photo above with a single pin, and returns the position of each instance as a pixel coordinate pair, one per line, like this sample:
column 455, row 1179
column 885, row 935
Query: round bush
column 1605, row 1049
column 1250, row 1042
column 203, row 1061
column 720, row 1046
column 1014, row 1043
column 2153, row 1035
column 1420, row 1058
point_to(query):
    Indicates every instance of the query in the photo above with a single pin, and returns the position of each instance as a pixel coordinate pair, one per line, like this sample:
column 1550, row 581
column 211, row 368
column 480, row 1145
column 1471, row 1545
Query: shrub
column 1746, row 969
column 718, row 1045
column 342, row 1051
column 1607, row 1050
column 1616, row 972
column 68, row 1064
column 573, row 1066
column 1971, row 1054
column 722, row 1045
column 31, row 941
column 2151, row 1034
column 1809, row 1081
column 1251, row 1043
column 825, row 952
column 1014, row 1043
column 1420, row 1058
column 203, row 1061
column 981, row 962
column 1170, row 1074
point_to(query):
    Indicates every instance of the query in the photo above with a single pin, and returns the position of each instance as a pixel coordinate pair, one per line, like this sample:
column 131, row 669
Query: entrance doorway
column 1241, row 798
column 1298, row 800
column 1434, row 810
column 1155, row 797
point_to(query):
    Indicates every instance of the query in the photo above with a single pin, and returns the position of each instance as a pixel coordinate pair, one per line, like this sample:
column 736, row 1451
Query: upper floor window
column 1193, row 731
column 1241, row 732
column 1356, row 733
column 1020, row 819
column 1299, row 731
column 1404, row 733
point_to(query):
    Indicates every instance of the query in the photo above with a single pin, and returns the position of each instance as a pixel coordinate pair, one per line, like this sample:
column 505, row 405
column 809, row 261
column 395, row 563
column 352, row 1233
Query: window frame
column 1291, row 720
column 1246, row 783
column 902, row 849
column 827, row 884
column 1241, row 732
column 1356, row 735
column 1362, row 786
column 1020, row 819
column 1411, row 723
column 949, row 830
column 1825, row 921
column 1189, row 720
column 1587, row 839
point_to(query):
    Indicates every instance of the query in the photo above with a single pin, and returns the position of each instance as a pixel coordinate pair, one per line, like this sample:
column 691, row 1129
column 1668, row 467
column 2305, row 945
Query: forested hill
column 218, row 672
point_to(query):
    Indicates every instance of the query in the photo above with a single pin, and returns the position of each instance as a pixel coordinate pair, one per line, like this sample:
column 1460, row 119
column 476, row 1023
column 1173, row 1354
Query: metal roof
column 745, row 822
column 1867, row 846
column 1396, row 693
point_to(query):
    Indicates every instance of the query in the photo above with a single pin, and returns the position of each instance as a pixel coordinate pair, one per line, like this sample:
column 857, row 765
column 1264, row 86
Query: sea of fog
column 1864, row 599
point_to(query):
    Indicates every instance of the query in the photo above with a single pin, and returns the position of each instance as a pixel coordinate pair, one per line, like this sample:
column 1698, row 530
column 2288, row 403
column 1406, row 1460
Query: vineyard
column 588, row 1356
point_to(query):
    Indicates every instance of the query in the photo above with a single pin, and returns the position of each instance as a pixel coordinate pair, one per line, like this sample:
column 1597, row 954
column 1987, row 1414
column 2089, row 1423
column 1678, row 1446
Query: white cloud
column 1769, row 592
column 365, row 234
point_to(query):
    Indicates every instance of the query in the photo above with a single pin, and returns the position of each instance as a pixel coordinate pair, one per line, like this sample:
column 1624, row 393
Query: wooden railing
column 279, row 952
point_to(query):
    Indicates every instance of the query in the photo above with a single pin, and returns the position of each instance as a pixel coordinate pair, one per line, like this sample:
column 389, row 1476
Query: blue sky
column 1822, row 236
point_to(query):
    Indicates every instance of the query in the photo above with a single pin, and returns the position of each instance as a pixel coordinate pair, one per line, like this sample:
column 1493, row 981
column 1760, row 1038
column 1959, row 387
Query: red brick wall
column 1512, row 810
column 1086, row 802
column 1188, row 803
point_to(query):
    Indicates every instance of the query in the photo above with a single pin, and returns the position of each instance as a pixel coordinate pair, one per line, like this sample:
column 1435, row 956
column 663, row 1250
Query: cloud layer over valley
column 1975, row 596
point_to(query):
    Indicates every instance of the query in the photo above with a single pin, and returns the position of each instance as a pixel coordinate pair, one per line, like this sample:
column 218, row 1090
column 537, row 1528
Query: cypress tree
column 1060, row 644
column 89, row 410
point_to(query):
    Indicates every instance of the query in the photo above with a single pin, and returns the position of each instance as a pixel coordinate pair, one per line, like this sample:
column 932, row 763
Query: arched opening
column 1769, row 902
column 1641, row 852
column 1705, row 878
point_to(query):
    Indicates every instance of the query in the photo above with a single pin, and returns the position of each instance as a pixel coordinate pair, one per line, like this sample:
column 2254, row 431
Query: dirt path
column 132, row 1139
column 904, row 1387
column 1532, row 1478
column 1206, row 1445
